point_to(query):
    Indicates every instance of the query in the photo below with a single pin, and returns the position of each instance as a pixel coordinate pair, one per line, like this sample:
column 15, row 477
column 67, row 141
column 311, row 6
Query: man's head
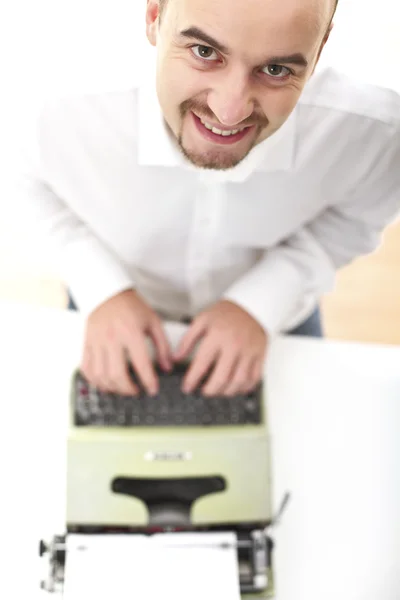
column 230, row 72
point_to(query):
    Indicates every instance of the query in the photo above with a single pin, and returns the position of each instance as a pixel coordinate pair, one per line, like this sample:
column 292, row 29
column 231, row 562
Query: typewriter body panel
column 235, row 456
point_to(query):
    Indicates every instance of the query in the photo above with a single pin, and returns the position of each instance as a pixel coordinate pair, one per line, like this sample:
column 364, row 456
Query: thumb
column 192, row 336
column 161, row 343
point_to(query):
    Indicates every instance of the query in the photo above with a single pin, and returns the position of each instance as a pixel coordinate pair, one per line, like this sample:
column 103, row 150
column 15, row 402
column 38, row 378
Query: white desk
column 335, row 419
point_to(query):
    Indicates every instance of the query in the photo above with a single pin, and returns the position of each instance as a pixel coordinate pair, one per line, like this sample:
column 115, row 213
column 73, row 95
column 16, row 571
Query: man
column 224, row 191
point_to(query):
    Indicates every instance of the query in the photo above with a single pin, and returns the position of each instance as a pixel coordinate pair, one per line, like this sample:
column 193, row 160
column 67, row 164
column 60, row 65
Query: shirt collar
column 157, row 148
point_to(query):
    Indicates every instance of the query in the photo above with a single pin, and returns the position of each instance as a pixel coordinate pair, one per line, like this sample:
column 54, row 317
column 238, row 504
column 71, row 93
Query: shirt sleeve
column 89, row 269
column 298, row 271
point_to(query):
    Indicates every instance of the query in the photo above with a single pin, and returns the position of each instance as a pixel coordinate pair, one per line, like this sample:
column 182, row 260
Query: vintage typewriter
column 175, row 462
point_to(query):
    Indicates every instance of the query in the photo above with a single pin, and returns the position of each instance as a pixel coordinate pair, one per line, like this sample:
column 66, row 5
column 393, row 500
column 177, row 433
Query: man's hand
column 233, row 345
column 115, row 333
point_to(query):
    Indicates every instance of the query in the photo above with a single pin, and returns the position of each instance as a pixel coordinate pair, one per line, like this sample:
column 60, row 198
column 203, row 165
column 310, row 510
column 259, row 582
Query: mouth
column 220, row 136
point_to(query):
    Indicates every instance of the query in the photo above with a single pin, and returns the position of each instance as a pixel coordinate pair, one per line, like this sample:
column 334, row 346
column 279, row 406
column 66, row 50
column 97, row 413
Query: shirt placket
column 205, row 226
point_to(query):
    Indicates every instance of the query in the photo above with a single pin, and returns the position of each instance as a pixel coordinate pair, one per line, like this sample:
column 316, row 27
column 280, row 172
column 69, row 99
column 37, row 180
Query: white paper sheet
column 176, row 566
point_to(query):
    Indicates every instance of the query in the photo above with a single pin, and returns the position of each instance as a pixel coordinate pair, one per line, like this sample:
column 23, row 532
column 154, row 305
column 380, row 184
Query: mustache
column 207, row 114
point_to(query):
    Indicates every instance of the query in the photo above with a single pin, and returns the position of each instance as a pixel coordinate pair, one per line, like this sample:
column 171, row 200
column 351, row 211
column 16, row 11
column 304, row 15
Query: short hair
column 163, row 4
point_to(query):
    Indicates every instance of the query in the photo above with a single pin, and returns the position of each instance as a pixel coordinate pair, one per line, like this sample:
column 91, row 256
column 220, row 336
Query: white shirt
column 122, row 208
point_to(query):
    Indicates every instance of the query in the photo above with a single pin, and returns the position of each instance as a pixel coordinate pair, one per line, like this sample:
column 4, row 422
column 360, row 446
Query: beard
column 218, row 158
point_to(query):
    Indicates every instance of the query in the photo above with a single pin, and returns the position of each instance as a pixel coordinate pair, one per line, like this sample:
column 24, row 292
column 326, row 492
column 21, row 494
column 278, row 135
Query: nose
column 231, row 98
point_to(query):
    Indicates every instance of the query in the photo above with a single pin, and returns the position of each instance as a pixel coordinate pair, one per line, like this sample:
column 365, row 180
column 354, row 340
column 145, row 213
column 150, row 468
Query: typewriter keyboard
column 171, row 407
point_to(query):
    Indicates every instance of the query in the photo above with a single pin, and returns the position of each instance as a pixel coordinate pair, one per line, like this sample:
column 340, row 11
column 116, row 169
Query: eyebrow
column 197, row 34
column 292, row 59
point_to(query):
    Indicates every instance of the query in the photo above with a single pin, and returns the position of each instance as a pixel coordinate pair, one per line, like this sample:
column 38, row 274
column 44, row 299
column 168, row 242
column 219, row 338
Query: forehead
column 251, row 26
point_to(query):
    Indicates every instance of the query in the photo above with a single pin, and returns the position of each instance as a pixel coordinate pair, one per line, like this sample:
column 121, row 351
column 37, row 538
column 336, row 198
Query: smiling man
column 230, row 72
column 223, row 191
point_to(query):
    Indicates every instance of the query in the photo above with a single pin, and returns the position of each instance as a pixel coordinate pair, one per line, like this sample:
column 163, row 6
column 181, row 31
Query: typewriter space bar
column 171, row 499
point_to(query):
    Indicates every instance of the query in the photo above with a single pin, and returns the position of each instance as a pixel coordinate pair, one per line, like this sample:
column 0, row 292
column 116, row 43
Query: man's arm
column 118, row 320
column 271, row 297
column 304, row 265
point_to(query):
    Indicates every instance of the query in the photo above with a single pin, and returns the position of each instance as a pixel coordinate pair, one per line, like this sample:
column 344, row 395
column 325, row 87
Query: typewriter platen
column 179, row 463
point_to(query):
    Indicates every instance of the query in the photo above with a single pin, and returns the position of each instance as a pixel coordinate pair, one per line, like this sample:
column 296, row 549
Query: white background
column 56, row 47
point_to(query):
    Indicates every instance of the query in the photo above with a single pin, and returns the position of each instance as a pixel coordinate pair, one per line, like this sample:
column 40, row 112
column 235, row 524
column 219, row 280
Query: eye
column 276, row 71
column 204, row 52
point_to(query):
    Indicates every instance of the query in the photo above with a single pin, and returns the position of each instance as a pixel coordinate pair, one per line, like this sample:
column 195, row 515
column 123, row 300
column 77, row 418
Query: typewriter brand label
column 173, row 456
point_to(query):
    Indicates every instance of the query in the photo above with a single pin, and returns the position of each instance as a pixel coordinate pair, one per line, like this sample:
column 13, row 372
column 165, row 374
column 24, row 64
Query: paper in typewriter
column 168, row 566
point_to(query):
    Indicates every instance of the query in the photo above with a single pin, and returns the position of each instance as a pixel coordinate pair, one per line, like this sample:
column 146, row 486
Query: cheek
column 185, row 82
column 279, row 103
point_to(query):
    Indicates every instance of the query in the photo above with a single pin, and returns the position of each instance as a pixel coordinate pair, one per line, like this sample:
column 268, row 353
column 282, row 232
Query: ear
column 324, row 41
column 152, row 18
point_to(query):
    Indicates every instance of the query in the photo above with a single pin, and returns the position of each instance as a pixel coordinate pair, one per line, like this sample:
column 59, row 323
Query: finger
column 256, row 376
column 194, row 333
column 96, row 374
column 200, row 364
column 103, row 371
column 87, row 363
column 242, row 377
column 142, row 364
column 221, row 375
column 258, row 370
column 161, row 343
column 120, row 381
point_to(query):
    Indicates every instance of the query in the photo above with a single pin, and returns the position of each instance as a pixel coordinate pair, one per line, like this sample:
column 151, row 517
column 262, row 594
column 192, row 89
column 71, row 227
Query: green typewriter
column 175, row 463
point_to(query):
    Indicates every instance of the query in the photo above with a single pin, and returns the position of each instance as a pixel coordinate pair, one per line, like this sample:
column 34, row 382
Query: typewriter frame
column 254, row 545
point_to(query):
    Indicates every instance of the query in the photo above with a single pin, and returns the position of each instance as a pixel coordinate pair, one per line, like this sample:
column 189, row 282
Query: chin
column 213, row 159
column 207, row 156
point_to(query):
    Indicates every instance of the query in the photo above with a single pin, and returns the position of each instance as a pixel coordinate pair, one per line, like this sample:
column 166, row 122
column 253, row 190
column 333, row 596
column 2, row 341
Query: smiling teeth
column 219, row 131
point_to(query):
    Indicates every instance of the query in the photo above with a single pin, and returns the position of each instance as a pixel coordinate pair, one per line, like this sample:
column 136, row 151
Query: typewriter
column 171, row 463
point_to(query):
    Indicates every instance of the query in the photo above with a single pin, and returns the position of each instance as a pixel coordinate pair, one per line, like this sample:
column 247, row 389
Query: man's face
column 230, row 72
